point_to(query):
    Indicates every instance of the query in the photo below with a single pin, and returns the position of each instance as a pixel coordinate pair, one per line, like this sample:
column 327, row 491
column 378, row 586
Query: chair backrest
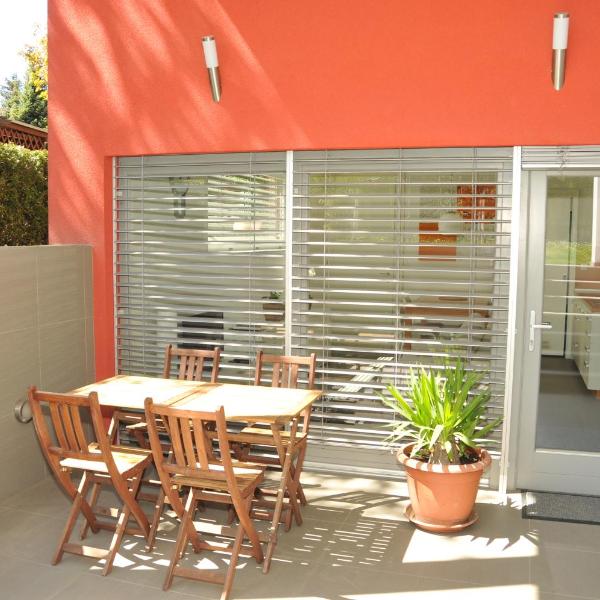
column 192, row 362
column 63, row 434
column 285, row 369
column 191, row 449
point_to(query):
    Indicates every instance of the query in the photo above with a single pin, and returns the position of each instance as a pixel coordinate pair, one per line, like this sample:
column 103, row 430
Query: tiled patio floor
column 355, row 544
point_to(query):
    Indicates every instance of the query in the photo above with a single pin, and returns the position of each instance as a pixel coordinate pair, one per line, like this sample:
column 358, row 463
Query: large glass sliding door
column 398, row 259
column 401, row 259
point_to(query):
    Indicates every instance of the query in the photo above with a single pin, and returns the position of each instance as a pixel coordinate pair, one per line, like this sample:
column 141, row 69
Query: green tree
column 28, row 101
column 37, row 60
column 33, row 109
column 10, row 96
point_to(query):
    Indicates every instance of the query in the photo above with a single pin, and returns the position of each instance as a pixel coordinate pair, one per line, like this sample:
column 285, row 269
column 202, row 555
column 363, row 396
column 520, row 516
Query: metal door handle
column 532, row 328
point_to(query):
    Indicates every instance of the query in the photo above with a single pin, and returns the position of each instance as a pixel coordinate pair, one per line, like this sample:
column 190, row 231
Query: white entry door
column 559, row 428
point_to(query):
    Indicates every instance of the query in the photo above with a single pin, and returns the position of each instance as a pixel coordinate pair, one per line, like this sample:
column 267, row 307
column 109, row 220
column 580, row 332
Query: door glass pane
column 569, row 391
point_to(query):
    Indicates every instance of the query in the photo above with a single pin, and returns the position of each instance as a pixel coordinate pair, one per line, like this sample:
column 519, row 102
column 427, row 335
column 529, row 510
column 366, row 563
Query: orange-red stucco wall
column 128, row 77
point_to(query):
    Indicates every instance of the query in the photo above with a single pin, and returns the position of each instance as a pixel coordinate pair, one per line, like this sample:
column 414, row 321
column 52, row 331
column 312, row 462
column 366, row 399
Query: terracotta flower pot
column 442, row 496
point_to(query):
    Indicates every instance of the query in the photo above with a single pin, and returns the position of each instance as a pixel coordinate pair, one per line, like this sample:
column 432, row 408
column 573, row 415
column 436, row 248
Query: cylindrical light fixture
column 212, row 64
column 560, row 39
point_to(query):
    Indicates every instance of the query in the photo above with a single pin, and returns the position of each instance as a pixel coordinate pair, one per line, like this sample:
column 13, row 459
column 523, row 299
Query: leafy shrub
column 444, row 414
column 23, row 196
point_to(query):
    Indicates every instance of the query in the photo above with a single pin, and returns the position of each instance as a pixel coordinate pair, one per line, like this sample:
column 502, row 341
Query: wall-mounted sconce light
column 212, row 64
column 560, row 39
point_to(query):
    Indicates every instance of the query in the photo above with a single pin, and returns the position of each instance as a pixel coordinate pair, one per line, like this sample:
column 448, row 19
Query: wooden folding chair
column 193, row 465
column 67, row 449
column 284, row 373
column 192, row 363
column 192, row 366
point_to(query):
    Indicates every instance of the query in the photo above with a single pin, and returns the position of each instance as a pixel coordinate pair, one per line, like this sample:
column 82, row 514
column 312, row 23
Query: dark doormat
column 570, row 508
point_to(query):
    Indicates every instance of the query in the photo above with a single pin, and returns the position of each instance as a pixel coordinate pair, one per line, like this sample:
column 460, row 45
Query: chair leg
column 64, row 479
column 182, row 538
column 122, row 521
column 158, row 511
column 249, row 529
column 235, row 552
column 293, row 496
column 124, row 491
column 298, row 471
column 96, row 487
column 78, row 501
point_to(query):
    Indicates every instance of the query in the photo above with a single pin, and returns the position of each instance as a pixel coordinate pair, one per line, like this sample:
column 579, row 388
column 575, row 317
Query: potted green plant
column 444, row 416
column 276, row 305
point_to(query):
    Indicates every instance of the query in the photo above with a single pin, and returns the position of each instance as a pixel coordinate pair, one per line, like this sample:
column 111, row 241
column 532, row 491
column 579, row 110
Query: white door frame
column 558, row 470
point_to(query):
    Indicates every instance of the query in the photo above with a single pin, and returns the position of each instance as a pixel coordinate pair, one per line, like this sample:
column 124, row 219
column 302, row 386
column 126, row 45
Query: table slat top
column 250, row 402
column 130, row 391
column 241, row 402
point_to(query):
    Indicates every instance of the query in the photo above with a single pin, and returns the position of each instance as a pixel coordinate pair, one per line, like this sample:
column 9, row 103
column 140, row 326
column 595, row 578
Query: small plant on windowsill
column 444, row 416
column 275, row 306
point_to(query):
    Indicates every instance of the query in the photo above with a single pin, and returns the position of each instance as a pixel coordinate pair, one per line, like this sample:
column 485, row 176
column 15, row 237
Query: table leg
column 286, row 456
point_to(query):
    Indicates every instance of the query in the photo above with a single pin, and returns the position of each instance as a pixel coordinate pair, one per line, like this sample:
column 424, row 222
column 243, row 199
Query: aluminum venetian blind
column 560, row 157
column 400, row 258
column 199, row 246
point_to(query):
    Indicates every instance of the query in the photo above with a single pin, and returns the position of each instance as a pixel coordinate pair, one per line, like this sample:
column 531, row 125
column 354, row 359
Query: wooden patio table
column 277, row 407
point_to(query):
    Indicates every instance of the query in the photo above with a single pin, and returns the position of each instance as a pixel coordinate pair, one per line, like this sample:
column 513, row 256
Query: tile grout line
column 37, row 314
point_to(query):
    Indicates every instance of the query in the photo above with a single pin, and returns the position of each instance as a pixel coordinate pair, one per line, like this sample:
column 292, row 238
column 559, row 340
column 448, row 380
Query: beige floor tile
column 134, row 565
column 371, row 544
column 288, row 581
column 568, row 572
column 28, row 536
column 334, row 498
column 432, row 589
column 20, row 580
column 546, row 596
column 323, row 510
column 576, row 536
column 386, row 508
column 345, row 483
column 44, row 498
column 478, row 560
column 94, row 587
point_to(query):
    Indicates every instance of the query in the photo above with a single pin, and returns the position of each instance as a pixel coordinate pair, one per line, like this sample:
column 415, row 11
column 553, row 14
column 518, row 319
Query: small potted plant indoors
column 444, row 416
column 275, row 305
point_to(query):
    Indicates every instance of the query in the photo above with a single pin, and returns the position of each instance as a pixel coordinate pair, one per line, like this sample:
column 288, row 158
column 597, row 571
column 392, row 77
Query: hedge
column 23, row 196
